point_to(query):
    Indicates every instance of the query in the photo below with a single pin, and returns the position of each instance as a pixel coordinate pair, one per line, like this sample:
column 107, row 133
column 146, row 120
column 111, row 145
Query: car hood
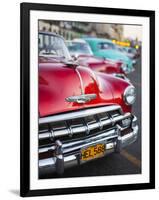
column 58, row 81
column 113, row 54
column 90, row 59
column 100, row 64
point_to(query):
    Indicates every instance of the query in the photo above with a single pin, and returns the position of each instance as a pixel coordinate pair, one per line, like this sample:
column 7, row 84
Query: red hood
column 100, row 65
column 87, row 59
column 57, row 81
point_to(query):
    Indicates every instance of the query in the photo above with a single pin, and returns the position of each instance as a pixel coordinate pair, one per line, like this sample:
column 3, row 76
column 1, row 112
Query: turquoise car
column 105, row 48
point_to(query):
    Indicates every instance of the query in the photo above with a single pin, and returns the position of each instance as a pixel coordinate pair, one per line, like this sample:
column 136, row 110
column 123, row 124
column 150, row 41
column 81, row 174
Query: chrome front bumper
column 112, row 139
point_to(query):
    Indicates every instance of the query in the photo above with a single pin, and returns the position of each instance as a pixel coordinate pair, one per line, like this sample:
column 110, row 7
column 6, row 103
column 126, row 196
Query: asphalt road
column 128, row 161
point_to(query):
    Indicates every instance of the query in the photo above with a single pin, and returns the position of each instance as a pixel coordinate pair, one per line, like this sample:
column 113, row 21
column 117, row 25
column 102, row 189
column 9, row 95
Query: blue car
column 105, row 48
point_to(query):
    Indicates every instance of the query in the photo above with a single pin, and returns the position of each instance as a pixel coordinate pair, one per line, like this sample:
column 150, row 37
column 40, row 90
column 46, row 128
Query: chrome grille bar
column 84, row 128
column 78, row 114
column 76, row 145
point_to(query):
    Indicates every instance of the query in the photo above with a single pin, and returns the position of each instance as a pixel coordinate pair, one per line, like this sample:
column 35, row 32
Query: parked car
column 130, row 52
column 105, row 48
column 83, row 114
column 81, row 51
column 78, row 47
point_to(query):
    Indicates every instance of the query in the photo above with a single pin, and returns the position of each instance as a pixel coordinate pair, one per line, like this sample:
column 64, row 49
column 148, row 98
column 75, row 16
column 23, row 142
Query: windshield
column 131, row 51
column 121, row 49
column 53, row 46
column 106, row 45
column 77, row 47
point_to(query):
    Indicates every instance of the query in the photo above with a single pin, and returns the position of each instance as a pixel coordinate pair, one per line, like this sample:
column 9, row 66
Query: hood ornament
column 82, row 98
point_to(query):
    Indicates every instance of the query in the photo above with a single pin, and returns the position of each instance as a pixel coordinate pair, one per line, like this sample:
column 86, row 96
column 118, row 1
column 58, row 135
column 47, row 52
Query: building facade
column 71, row 30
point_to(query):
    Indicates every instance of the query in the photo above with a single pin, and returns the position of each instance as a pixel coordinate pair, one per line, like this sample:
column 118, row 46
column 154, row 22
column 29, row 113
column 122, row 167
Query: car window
column 131, row 50
column 77, row 47
column 52, row 45
column 105, row 45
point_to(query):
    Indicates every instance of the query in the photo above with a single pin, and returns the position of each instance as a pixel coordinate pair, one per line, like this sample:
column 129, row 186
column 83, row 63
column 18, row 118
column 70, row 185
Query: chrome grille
column 74, row 128
column 77, row 122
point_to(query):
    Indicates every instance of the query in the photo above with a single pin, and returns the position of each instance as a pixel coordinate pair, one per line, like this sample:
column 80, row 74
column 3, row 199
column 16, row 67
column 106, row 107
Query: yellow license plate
column 93, row 152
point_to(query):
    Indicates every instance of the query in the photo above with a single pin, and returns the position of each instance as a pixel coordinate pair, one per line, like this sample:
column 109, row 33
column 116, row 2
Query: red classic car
column 83, row 114
column 80, row 50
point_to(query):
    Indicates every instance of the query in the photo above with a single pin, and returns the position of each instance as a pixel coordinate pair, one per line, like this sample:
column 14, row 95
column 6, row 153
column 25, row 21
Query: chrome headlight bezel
column 129, row 95
column 124, row 67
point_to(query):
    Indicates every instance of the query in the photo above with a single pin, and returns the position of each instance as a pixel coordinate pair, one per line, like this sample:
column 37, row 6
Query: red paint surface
column 100, row 65
column 57, row 81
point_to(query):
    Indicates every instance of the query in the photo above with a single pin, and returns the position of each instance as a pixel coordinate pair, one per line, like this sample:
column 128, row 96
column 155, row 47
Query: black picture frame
column 25, row 9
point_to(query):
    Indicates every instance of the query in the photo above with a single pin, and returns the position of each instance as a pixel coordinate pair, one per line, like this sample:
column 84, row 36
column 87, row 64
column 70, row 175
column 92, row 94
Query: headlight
column 129, row 95
column 124, row 67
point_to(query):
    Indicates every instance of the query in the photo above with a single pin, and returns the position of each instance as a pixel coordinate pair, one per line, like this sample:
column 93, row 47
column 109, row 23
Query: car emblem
column 82, row 98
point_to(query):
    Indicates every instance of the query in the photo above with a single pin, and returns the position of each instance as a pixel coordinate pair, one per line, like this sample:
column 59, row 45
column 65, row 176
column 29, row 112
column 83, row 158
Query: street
column 128, row 161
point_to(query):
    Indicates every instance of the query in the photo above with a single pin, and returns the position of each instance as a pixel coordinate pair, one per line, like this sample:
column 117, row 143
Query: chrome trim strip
column 79, row 114
column 81, row 98
column 84, row 128
column 82, row 146
column 46, row 162
column 71, row 146
column 45, row 149
column 81, row 82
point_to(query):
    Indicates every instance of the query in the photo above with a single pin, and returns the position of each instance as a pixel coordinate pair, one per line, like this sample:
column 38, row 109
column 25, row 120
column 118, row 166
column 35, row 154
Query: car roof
column 79, row 40
column 51, row 33
column 97, row 39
